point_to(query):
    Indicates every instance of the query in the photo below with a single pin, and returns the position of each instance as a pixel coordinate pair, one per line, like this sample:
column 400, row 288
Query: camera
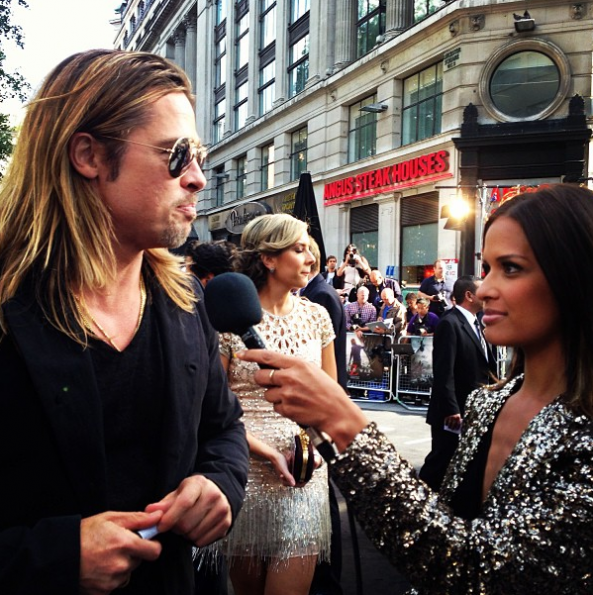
column 351, row 259
column 356, row 321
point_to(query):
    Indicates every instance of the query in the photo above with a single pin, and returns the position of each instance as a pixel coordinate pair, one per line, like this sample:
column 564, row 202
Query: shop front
column 228, row 224
column 393, row 213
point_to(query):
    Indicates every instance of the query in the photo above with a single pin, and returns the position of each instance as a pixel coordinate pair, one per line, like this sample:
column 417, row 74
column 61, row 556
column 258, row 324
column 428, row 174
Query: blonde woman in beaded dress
column 514, row 514
column 282, row 529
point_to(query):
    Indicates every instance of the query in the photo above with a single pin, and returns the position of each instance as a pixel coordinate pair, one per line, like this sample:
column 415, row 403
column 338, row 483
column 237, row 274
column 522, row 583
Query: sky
column 54, row 30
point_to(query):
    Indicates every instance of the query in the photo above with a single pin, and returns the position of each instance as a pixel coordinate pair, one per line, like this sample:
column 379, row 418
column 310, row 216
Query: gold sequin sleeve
column 534, row 533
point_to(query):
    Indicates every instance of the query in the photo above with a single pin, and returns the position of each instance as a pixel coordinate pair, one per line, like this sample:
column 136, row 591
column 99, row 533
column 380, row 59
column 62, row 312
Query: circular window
column 525, row 80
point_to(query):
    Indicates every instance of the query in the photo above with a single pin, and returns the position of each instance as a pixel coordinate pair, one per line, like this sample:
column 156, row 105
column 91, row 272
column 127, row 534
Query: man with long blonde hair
column 115, row 415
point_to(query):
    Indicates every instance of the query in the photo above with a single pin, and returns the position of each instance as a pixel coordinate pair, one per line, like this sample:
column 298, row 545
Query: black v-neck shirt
column 131, row 387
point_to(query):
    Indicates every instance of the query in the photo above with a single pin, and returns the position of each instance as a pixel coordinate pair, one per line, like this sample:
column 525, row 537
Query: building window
column 524, row 83
column 241, row 105
column 362, row 134
column 364, row 231
column 241, row 176
column 298, row 153
column 242, row 42
column 527, row 80
column 420, row 231
column 220, row 177
column 267, row 79
column 221, row 11
column 267, row 167
column 424, row 8
column 220, row 63
column 220, row 69
column 423, row 98
column 370, row 24
column 298, row 68
column 267, row 23
column 298, row 8
column 219, row 120
column 267, row 56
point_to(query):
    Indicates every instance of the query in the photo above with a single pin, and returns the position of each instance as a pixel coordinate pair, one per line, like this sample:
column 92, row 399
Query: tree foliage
column 12, row 84
column 7, row 133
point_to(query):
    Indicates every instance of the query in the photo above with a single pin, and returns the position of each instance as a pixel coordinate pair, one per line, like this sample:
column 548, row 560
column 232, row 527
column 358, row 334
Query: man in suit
column 320, row 292
column 462, row 361
column 326, row 580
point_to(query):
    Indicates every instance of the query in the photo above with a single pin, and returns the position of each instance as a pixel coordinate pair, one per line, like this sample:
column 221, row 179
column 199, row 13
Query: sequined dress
column 278, row 522
column 533, row 534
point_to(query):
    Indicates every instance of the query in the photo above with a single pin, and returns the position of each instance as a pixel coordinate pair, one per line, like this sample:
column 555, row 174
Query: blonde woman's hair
column 54, row 227
column 269, row 235
column 314, row 249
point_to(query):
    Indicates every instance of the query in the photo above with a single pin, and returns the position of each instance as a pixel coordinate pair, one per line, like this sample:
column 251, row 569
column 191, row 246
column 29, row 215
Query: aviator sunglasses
column 184, row 151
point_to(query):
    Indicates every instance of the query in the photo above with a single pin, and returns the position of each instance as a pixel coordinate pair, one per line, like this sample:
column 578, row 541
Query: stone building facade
column 397, row 108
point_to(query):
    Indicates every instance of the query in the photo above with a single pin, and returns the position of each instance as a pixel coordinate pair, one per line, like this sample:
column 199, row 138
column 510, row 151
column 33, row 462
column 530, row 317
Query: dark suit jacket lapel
column 180, row 346
column 312, row 285
column 469, row 330
column 63, row 376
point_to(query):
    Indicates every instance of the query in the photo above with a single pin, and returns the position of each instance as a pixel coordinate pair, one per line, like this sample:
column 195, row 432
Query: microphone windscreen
column 232, row 303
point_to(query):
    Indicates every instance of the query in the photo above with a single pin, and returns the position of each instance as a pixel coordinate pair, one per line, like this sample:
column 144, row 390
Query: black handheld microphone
column 233, row 306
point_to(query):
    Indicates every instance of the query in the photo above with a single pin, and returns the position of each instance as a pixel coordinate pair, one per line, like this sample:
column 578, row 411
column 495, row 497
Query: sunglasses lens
column 181, row 157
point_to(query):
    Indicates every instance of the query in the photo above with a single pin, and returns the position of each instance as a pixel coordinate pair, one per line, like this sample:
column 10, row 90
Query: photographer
column 360, row 312
column 423, row 322
column 352, row 271
column 436, row 291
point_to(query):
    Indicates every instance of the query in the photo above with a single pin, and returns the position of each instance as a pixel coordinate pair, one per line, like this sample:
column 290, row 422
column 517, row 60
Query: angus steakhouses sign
column 425, row 168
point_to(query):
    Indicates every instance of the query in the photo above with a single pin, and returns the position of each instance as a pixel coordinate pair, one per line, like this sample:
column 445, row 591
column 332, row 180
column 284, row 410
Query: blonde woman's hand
column 280, row 465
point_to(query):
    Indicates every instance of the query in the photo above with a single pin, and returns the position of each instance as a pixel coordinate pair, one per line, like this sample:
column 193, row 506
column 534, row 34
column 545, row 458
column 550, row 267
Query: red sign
column 430, row 167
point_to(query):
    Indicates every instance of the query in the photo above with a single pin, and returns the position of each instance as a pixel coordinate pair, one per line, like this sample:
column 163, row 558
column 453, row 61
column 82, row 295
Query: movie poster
column 367, row 356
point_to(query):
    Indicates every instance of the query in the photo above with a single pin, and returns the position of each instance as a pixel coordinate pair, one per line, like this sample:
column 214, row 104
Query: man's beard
column 175, row 236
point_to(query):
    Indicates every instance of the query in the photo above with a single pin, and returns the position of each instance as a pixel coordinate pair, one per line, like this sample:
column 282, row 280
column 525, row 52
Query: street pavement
column 410, row 433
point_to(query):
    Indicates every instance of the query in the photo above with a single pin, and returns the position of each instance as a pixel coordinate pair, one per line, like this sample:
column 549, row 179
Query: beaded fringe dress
column 278, row 522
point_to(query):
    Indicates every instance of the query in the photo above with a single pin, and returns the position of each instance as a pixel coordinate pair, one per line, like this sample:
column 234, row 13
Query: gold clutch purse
column 302, row 460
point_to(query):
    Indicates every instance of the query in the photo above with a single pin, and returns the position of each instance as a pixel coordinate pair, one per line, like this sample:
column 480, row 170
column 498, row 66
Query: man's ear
column 82, row 151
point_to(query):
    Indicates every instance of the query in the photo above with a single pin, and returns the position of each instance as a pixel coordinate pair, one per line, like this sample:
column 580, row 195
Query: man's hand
column 110, row 550
column 453, row 422
column 198, row 510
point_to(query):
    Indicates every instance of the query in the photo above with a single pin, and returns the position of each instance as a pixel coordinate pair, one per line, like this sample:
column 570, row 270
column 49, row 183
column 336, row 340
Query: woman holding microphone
column 514, row 513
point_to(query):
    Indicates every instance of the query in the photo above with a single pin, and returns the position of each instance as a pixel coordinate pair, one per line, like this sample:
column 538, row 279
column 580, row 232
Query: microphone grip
column 324, row 447
column 252, row 340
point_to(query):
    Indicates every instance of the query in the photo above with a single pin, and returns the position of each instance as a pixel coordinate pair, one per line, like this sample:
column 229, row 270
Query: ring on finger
column 272, row 376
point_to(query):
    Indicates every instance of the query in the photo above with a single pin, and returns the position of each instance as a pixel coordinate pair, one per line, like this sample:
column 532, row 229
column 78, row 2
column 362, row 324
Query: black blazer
column 459, row 366
column 322, row 293
column 52, row 458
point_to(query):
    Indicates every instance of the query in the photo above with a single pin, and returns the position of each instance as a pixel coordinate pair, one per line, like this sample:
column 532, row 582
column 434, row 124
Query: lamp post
column 469, row 221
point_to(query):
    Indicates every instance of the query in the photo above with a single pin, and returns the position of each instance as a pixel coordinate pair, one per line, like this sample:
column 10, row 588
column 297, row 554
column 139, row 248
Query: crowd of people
column 134, row 438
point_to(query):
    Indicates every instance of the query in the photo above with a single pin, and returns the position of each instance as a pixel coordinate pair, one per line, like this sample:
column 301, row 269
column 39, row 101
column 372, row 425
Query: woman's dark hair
column 348, row 248
column 558, row 223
